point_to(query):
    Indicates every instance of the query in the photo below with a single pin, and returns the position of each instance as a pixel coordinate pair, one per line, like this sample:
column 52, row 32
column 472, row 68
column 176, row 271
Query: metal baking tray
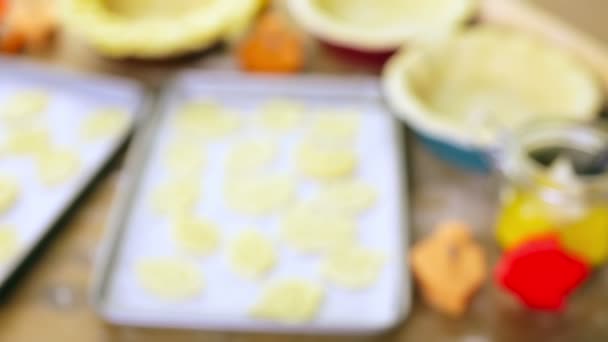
column 72, row 97
column 134, row 231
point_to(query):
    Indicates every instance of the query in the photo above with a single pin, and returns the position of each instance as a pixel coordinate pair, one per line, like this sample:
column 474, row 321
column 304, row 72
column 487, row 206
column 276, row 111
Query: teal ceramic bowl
column 472, row 159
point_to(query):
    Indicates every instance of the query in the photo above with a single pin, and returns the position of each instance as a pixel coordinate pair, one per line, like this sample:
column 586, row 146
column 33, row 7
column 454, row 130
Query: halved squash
column 484, row 81
column 379, row 25
column 156, row 28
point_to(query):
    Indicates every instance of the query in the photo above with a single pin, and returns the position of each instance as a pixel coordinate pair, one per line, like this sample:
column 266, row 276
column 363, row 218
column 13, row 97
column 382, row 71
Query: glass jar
column 555, row 184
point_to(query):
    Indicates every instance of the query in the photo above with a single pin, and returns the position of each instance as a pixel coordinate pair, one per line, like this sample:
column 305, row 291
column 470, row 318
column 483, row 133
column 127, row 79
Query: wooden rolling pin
column 526, row 16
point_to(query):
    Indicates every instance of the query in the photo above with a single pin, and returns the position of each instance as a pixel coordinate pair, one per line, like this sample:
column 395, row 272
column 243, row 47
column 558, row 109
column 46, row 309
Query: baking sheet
column 73, row 97
column 137, row 232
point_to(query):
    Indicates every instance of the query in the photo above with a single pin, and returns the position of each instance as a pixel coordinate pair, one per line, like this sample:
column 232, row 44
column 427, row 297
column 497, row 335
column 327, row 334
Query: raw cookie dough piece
column 250, row 155
column 325, row 162
column 335, row 127
column 353, row 267
column 251, row 254
column 9, row 191
column 185, row 158
column 170, row 278
column 260, row 194
column 281, row 115
column 289, row 301
column 205, row 119
column 351, row 197
column 28, row 142
column 105, row 123
column 56, row 166
column 196, row 236
column 24, row 107
column 9, row 243
column 312, row 229
column 176, row 198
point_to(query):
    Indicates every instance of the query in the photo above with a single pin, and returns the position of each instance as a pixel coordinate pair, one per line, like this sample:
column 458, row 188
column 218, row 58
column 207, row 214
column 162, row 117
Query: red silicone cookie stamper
column 541, row 273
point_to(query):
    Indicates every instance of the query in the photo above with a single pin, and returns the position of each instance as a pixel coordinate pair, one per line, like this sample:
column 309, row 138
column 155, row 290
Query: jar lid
column 564, row 156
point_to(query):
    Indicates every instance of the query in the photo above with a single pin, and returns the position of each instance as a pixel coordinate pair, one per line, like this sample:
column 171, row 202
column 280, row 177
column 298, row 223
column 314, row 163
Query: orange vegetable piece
column 30, row 21
column 450, row 267
column 272, row 47
column 3, row 9
column 12, row 43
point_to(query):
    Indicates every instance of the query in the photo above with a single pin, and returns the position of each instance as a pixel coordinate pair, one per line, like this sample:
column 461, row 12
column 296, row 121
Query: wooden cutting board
column 576, row 25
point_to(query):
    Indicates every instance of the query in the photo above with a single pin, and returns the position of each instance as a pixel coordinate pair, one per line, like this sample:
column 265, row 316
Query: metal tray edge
column 118, row 212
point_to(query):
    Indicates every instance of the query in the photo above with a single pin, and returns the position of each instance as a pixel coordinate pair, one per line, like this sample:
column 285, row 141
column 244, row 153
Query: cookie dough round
column 325, row 162
column 251, row 254
column 28, row 142
column 25, row 106
column 9, row 243
column 289, row 301
column 170, row 278
column 259, row 194
column 105, row 123
column 281, row 115
column 250, row 155
column 176, row 198
column 353, row 267
column 308, row 228
column 351, row 197
column 56, row 166
column 205, row 119
column 196, row 236
column 9, row 191
column 185, row 158
column 335, row 126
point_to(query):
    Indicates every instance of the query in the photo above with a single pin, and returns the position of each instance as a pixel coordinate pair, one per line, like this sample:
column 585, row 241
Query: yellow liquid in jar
column 525, row 215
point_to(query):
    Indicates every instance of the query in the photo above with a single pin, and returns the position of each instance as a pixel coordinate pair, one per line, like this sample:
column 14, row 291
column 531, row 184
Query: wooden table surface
column 49, row 301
